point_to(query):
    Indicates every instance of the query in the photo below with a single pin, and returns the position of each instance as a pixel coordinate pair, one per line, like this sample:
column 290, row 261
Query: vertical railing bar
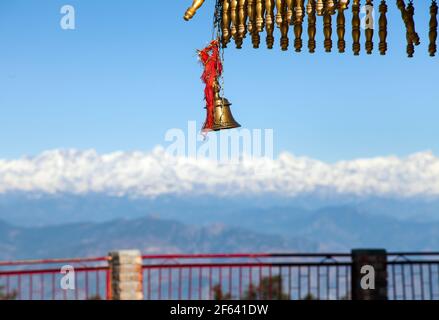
column 86, row 285
column 180, row 283
column 348, row 279
column 260, row 283
column 328, row 285
column 19, row 286
column 76, row 288
column 159, row 292
column 170, row 284
column 403, row 282
column 97, row 284
column 394, row 282
column 299, row 279
column 200, row 283
column 53, row 287
column 438, row 278
column 8, row 286
column 230, row 281
column 430, row 281
column 280, row 284
column 190, row 283
column 289, row 283
column 42, row 286
column 30, row 287
column 240, row 283
column 337, row 290
column 250, row 286
column 108, row 285
column 149, row 284
column 421, row 274
column 221, row 280
column 412, row 282
column 309, row 281
column 318, row 282
column 210, row 284
column 270, row 288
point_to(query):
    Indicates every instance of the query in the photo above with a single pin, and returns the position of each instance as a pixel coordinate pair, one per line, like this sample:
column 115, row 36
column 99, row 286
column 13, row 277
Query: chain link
column 217, row 33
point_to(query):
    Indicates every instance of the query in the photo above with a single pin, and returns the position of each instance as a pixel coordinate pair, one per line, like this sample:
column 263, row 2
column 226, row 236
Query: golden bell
column 223, row 118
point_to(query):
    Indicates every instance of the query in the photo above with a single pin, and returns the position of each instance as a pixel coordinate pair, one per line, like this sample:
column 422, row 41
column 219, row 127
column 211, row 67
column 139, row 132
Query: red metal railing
column 41, row 279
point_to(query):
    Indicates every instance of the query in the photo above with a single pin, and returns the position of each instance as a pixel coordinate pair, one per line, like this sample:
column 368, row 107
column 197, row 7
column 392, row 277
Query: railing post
column 369, row 274
column 126, row 275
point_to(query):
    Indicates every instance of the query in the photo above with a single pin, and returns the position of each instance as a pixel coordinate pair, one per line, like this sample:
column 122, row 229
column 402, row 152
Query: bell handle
column 196, row 4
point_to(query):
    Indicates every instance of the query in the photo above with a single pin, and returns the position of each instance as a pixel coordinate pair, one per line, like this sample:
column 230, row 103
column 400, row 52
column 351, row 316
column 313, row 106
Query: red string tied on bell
column 213, row 68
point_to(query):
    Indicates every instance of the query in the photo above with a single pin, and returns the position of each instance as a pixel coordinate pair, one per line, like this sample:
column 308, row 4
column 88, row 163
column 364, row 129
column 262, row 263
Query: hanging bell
column 223, row 118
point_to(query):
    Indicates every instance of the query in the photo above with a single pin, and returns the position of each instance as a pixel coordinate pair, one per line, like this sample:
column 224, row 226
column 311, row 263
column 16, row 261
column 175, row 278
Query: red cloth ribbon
column 213, row 68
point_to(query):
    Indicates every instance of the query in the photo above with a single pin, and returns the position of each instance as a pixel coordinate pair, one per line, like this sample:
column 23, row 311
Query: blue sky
column 129, row 72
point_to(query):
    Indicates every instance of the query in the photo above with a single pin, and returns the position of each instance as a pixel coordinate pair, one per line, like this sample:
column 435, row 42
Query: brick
column 126, row 275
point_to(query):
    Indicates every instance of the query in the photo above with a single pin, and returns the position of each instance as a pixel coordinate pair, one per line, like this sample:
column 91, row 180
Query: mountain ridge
column 150, row 235
column 271, row 223
column 26, row 209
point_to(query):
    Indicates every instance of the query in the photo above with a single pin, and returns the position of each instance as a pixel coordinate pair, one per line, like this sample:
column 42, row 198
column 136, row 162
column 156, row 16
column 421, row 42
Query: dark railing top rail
column 244, row 256
column 432, row 253
column 412, row 262
column 273, row 255
column 243, row 265
column 413, row 257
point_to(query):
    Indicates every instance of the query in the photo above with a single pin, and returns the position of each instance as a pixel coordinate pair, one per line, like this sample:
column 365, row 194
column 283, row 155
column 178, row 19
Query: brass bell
column 223, row 118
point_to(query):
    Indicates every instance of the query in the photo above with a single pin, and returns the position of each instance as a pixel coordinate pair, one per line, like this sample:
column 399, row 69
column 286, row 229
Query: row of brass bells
column 223, row 118
column 240, row 17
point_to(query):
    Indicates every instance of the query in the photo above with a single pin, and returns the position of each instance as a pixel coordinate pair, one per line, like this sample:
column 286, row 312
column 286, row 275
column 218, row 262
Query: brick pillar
column 375, row 260
column 126, row 275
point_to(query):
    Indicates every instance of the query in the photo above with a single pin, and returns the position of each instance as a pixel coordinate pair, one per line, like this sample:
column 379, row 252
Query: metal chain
column 214, row 24
column 218, row 27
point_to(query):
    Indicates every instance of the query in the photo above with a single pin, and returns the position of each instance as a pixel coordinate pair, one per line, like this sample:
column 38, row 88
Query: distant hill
column 344, row 228
column 341, row 228
column 27, row 209
column 149, row 235
column 66, row 225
